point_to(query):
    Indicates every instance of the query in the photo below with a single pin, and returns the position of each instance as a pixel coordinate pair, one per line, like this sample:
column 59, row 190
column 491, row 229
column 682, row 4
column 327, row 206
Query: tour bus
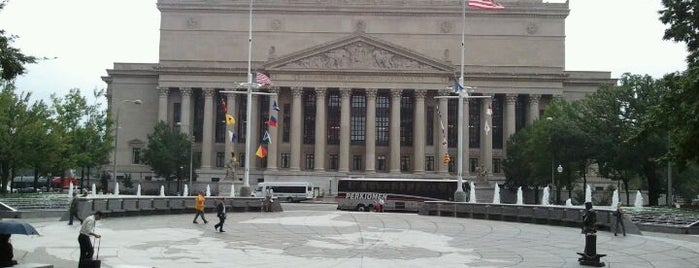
column 289, row 191
column 398, row 194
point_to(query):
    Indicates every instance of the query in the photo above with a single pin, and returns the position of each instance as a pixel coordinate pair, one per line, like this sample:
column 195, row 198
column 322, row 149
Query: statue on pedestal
column 481, row 174
column 589, row 228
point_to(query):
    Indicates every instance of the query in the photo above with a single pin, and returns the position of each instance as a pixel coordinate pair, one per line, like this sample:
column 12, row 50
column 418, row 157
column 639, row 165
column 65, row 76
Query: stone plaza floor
column 316, row 235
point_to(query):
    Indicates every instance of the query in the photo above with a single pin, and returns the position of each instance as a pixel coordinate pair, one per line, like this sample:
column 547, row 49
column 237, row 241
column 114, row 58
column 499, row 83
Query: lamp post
column 558, row 189
column 330, row 186
column 116, row 135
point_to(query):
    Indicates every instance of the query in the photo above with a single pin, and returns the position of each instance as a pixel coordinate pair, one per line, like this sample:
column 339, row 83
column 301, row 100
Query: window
column 310, row 160
column 136, row 156
column 473, row 164
column 286, row 123
column 333, row 162
column 474, row 123
column 334, row 117
column 242, row 117
column 220, row 159
column 381, row 163
column 452, row 117
column 404, row 163
column 497, row 122
column 198, row 116
column 241, row 160
column 497, row 165
column 429, row 135
column 429, row 163
column 406, row 119
column 452, row 163
column 356, row 162
column 358, row 119
column 284, row 159
column 309, row 118
column 220, row 125
column 520, row 112
column 176, row 113
column 382, row 114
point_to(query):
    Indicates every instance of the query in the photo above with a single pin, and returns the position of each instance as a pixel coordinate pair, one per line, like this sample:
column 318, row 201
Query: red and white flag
column 262, row 79
column 485, row 4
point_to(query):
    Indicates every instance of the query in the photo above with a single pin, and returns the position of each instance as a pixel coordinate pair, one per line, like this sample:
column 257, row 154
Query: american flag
column 485, row 4
column 262, row 79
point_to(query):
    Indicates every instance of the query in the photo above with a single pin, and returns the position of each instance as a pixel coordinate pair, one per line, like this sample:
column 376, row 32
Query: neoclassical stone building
column 356, row 83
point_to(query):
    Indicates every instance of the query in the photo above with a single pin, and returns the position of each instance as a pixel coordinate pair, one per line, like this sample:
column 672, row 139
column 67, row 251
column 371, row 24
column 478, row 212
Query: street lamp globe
column 560, row 169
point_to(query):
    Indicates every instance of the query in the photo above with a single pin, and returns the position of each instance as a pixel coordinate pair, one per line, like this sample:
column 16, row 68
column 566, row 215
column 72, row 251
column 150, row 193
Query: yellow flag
column 261, row 152
column 230, row 120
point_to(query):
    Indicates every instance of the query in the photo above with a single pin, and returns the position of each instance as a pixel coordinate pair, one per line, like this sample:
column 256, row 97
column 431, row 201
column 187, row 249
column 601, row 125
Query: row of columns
column 419, row 131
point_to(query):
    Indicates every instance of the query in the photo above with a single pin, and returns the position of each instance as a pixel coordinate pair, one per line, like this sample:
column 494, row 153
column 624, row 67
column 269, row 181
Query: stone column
column 344, row 129
column 510, row 117
column 465, row 154
column 232, row 106
column 395, row 131
column 296, row 127
column 419, row 128
column 370, row 143
column 208, row 137
column 533, row 108
column 186, row 124
column 487, row 136
column 320, row 139
column 272, row 152
column 443, row 108
column 162, row 103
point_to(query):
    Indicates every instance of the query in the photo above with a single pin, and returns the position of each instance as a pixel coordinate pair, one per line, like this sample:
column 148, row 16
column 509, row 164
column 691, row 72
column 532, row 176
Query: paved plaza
column 316, row 235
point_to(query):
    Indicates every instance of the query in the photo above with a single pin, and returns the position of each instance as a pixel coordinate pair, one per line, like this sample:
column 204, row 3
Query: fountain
column 232, row 190
column 520, row 198
column 496, row 194
column 588, row 194
column 94, row 189
column 615, row 198
column 70, row 190
column 545, row 197
column 116, row 189
column 569, row 202
column 138, row 190
column 162, row 190
column 639, row 200
column 472, row 193
column 208, row 190
column 186, row 191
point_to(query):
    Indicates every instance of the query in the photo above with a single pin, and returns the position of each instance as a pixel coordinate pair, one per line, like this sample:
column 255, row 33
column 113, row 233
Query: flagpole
column 245, row 190
column 460, row 195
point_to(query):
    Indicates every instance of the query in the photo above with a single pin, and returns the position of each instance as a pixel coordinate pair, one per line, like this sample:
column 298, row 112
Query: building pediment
column 359, row 53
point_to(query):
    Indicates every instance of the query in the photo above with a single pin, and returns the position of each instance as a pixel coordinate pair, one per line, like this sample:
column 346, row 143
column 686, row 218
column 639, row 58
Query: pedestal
column 245, row 191
column 590, row 256
column 460, row 196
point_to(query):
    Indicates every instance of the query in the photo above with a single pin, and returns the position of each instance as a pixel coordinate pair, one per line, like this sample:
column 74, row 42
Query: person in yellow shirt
column 199, row 207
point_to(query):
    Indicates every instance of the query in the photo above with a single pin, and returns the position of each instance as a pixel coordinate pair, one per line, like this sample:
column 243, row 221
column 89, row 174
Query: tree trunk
column 626, row 188
column 36, row 178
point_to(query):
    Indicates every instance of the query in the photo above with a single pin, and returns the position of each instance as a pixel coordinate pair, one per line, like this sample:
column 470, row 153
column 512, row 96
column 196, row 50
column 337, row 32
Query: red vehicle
column 56, row 182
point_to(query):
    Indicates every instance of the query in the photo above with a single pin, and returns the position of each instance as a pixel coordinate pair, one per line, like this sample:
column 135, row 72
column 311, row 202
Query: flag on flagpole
column 230, row 120
column 486, row 128
column 457, row 87
column 272, row 121
column 275, row 106
column 489, row 110
column 485, row 4
column 267, row 138
column 224, row 107
column 234, row 138
column 261, row 152
column 262, row 79
column 231, row 135
column 441, row 124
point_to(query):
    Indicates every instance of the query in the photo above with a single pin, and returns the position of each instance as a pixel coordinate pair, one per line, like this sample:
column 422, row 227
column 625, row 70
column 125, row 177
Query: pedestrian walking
column 87, row 229
column 619, row 216
column 267, row 202
column 221, row 214
column 199, row 207
column 73, row 210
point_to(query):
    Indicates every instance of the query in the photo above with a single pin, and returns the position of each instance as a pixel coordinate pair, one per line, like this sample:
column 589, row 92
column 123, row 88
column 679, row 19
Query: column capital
column 297, row 91
column 371, row 92
column 163, row 91
column 420, row 93
column 396, row 92
column 321, row 92
column 208, row 92
column 274, row 90
column 186, row 91
column 534, row 98
column 345, row 92
column 511, row 98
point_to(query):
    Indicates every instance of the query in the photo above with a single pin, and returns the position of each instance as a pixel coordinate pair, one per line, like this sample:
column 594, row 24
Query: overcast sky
column 88, row 36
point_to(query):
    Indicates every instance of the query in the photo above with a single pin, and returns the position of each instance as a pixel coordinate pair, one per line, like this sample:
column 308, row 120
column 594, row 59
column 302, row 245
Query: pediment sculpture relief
column 359, row 55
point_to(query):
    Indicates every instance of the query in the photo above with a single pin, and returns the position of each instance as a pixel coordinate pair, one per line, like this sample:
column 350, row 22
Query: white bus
column 289, row 191
column 398, row 194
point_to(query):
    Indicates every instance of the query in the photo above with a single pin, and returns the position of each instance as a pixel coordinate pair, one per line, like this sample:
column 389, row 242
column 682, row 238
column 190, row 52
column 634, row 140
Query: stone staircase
column 47, row 202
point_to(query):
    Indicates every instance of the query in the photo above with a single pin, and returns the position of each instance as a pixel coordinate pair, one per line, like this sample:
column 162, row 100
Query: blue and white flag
column 457, row 87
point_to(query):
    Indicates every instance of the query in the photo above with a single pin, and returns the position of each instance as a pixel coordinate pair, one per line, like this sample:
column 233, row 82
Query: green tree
column 168, row 153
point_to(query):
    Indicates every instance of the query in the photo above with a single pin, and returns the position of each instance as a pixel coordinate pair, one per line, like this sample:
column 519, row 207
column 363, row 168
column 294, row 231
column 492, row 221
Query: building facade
column 356, row 83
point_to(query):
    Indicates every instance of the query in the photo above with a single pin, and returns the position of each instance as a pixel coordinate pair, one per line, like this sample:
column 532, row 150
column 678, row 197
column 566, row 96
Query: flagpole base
column 245, row 191
column 460, row 196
